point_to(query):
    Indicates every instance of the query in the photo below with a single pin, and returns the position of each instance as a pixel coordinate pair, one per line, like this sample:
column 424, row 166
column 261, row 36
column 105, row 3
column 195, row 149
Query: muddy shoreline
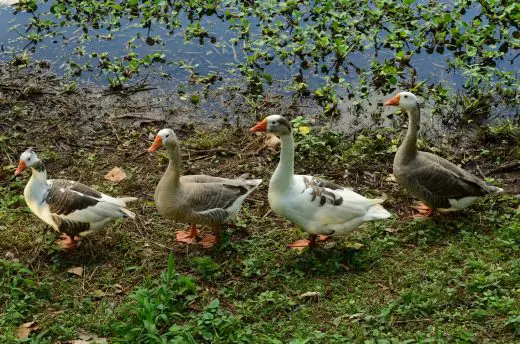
column 35, row 103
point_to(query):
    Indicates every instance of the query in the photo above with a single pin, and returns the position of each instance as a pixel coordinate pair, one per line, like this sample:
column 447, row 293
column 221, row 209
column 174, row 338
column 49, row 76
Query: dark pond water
column 221, row 56
column 206, row 57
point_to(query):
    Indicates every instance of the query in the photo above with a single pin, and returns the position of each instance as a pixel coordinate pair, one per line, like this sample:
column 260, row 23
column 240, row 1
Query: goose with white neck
column 438, row 183
column 197, row 199
column 318, row 206
column 70, row 207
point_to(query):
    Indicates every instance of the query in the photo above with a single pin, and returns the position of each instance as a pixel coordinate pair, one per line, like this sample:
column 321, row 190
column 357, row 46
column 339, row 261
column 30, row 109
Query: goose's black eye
column 29, row 159
column 406, row 96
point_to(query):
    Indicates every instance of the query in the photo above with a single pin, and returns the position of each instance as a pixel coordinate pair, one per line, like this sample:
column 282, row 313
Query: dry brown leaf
column 57, row 312
column 98, row 293
column 328, row 245
column 310, row 294
column 354, row 245
column 390, row 178
column 356, row 316
column 96, row 340
column 272, row 141
column 115, row 175
column 77, row 270
column 24, row 330
column 118, row 288
column 87, row 338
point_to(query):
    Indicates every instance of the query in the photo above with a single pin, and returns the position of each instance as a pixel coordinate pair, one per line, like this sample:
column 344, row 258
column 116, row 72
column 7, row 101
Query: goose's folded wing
column 330, row 203
column 202, row 178
column 208, row 196
column 77, row 202
column 326, row 184
column 439, row 181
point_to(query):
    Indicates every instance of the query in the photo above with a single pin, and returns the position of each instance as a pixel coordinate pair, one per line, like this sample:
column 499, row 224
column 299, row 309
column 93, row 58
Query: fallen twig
column 505, row 167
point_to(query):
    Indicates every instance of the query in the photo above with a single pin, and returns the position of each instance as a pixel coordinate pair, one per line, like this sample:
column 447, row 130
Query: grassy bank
column 444, row 279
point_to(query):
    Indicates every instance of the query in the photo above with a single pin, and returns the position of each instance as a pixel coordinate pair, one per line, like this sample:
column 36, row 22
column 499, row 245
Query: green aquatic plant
column 326, row 44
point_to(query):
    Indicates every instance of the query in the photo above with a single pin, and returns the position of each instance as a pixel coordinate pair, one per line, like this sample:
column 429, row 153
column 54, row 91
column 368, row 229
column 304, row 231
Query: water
column 221, row 57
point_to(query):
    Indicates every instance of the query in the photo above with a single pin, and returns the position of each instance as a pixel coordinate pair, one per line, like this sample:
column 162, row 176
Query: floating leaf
column 115, row 175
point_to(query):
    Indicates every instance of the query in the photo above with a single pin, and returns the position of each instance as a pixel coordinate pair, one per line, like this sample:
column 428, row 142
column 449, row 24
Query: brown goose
column 68, row 206
column 438, row 183
column 197, row 199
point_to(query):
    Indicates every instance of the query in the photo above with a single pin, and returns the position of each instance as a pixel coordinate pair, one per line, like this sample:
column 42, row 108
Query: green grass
column 440, row 280
column 447, row 279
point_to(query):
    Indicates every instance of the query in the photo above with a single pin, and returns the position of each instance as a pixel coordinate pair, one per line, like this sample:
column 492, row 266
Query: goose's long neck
column 408, row 149
column 172, row 175
column 285, row 169
column 38, row 181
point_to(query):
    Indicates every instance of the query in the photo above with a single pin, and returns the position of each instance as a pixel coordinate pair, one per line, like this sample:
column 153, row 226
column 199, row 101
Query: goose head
column 275, row 124
column 27, row 159
column 405, row 100
column 163, row 137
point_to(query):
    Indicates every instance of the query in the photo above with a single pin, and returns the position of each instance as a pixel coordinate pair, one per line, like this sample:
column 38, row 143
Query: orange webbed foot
column 68, row 243
column 300, row 244
column 303, row 243
column 424, row 211
column 209, row 241
column 187, row 237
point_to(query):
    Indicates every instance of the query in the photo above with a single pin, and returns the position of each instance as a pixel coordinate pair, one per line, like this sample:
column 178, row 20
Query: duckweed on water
column 328, row 49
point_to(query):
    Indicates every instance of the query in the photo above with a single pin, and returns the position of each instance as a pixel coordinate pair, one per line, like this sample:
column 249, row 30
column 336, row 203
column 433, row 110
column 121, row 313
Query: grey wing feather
column 202, row 178
column 76, row 186
column 65, row 197
column 327, row 184
column 436, row 182
column 210, row 196
column 323, row 190
column 70, row 227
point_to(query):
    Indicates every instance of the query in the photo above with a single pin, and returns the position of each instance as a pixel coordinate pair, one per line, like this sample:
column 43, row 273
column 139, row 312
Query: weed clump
column 164, row 311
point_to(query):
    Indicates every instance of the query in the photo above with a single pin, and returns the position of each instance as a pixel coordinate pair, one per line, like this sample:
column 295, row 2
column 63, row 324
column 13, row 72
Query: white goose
column 69, row 207
column 318, row 206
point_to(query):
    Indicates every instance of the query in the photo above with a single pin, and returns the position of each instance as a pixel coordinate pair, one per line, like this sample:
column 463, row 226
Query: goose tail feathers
column 127, row 199
column 128, row 213
column 495, row 190
column 377, row 212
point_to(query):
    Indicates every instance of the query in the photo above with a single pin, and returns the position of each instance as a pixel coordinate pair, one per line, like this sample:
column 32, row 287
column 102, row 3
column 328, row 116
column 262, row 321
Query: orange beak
column 394, row 101
column 260, row 126
column 156, row 144
column 21, row 166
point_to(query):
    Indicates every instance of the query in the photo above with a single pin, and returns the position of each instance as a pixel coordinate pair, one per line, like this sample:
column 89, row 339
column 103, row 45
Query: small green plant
column 161, row 312
column 20, row 296
column 322, row 44
column 206, row 267
column 156, row 307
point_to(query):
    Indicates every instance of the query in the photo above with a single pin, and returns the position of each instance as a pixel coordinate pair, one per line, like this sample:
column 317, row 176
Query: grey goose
column 196, row 199
column 435, row 181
